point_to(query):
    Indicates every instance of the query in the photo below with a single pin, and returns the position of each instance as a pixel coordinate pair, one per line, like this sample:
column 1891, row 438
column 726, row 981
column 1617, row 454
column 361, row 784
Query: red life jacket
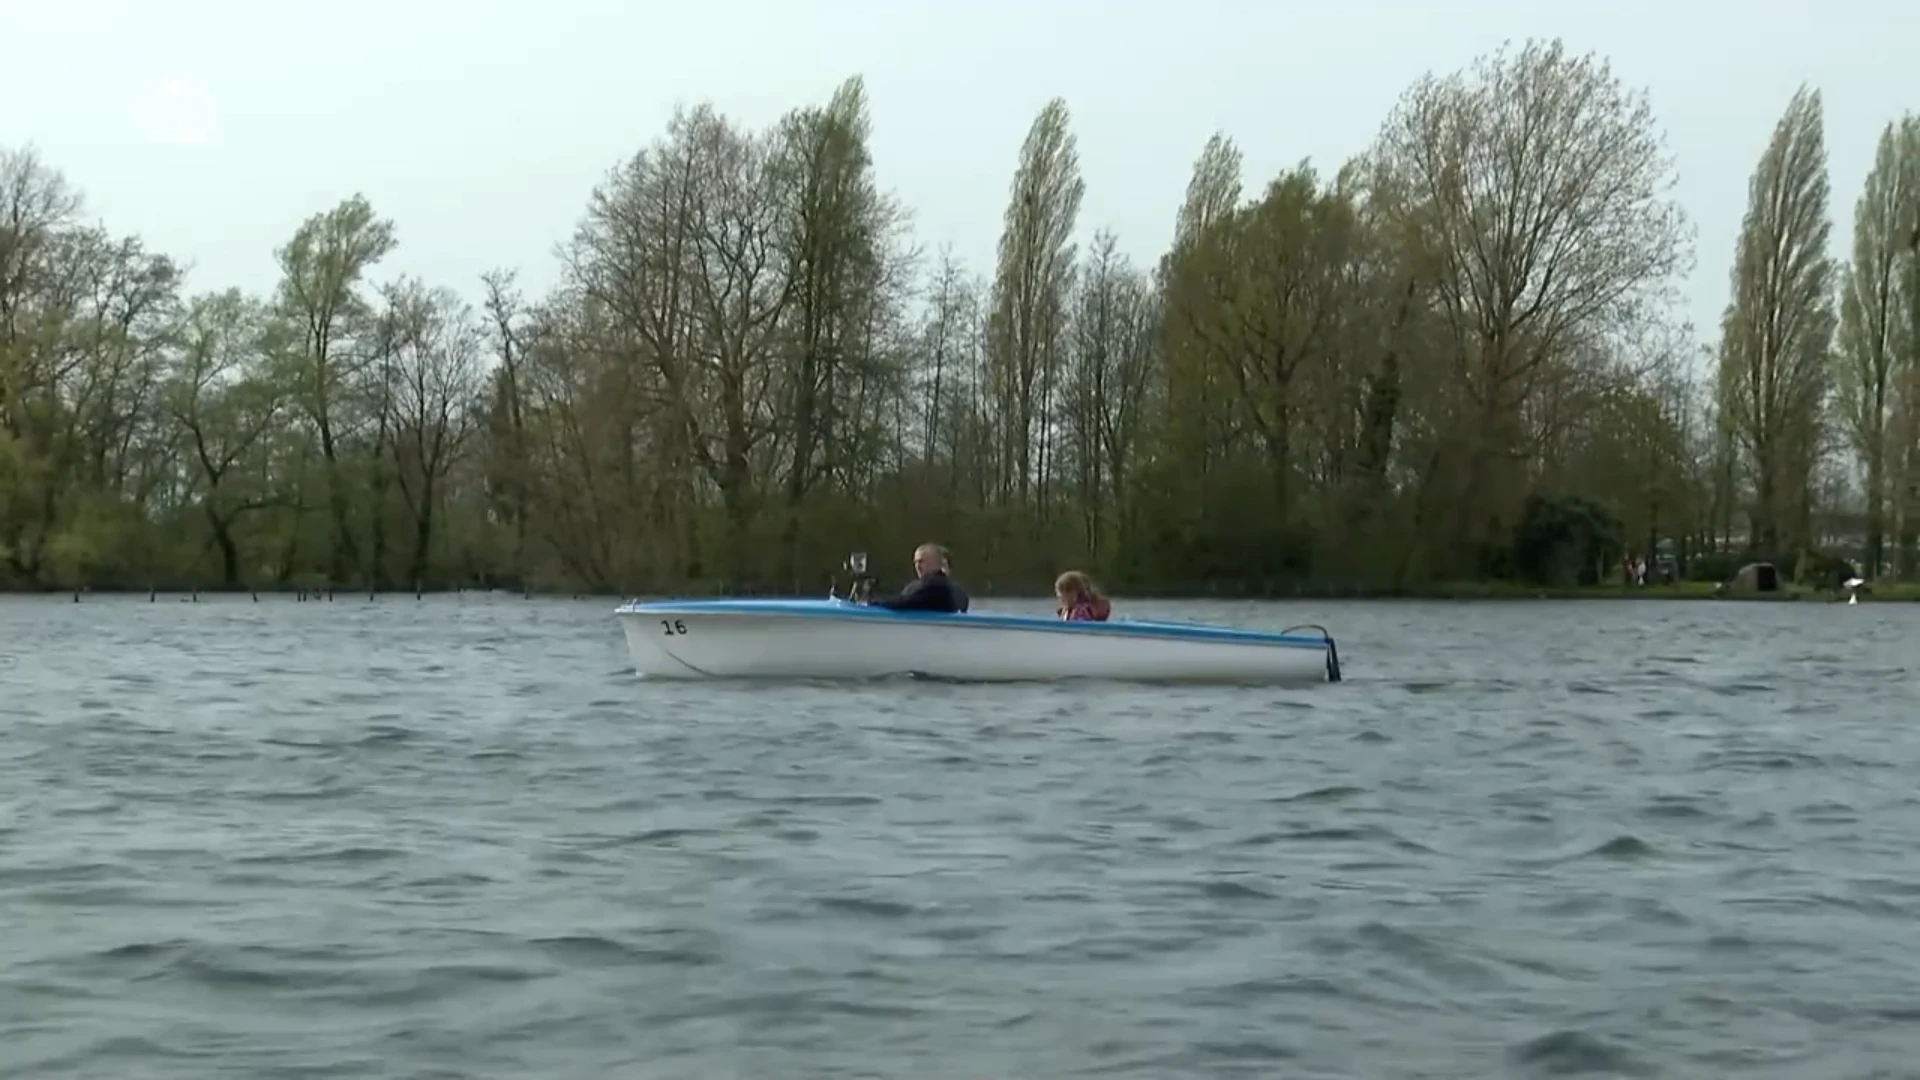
column 1092, row 609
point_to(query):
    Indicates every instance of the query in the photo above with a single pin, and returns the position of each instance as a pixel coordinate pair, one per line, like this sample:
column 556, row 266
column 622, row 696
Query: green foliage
column 1568, row 540
column 1823, row 569
column 1719, row 565
column 1820, row 570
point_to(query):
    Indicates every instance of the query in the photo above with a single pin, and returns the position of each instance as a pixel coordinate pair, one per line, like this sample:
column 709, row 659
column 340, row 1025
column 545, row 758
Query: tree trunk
column 422, row 539
column 229, row 551
column 1876, row 505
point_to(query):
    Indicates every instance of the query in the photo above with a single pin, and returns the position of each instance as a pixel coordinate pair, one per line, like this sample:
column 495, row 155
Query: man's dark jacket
column 934, row 592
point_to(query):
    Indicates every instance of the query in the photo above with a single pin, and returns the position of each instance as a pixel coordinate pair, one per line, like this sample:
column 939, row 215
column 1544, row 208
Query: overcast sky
column 212, row 127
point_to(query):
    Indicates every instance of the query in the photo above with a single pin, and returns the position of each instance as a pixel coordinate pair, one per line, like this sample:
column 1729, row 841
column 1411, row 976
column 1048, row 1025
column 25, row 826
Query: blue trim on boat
column 843, row 609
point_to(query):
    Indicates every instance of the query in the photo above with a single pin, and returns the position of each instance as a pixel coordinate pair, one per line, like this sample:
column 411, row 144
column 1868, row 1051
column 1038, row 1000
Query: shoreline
column 1892, row 592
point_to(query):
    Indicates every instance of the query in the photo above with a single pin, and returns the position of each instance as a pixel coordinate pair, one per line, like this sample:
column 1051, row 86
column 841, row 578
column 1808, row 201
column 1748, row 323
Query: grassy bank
column 1684, row 590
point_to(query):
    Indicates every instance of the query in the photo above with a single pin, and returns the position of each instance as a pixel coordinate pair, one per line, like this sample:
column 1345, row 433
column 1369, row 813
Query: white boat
column 840, row 639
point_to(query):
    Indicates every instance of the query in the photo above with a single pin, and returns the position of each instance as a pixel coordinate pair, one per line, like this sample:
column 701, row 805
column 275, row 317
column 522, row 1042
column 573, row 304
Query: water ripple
column 456, row 838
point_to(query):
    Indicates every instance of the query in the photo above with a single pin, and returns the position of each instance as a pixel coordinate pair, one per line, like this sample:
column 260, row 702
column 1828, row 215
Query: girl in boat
column 1079, row 600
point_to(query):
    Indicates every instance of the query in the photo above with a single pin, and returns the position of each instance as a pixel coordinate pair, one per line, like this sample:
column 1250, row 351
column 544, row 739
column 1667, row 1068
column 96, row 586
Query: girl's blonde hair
column 1074, row 583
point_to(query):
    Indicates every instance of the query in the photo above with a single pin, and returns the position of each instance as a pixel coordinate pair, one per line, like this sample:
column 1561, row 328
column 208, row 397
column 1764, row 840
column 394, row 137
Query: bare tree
column 322, row 267
column 837, row 238
column 739, row 294
column 1905, row 435
column 433, row 342
column 948, row 342
column 1537, row 194
column 637, row 328
column 1112, row 362
column 1269, row 291
column 226, row 404
column 508, row 475
column 83, row 320
column 1870, row 318
column 1031, row 290
column 36, row 205
column 1213, row 193
column 1779, row 325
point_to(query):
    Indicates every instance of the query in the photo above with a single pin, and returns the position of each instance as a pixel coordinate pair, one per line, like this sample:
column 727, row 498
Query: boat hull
column 835, row 639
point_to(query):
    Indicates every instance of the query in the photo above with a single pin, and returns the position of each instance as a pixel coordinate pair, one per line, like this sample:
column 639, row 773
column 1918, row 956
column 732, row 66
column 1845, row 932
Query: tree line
column 1457, row 356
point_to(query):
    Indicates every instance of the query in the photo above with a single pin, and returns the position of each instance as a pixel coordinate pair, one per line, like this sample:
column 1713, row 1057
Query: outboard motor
column 863, row 582
column 860, row 590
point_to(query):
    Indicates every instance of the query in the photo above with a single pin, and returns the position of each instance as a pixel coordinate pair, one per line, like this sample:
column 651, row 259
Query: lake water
column 458, row 838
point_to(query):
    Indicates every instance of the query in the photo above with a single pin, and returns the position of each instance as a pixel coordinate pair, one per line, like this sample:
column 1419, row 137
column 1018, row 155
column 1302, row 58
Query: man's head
column 929, row 557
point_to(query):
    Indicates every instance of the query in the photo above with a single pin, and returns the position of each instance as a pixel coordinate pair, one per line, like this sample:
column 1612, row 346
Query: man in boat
column 931, row 589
